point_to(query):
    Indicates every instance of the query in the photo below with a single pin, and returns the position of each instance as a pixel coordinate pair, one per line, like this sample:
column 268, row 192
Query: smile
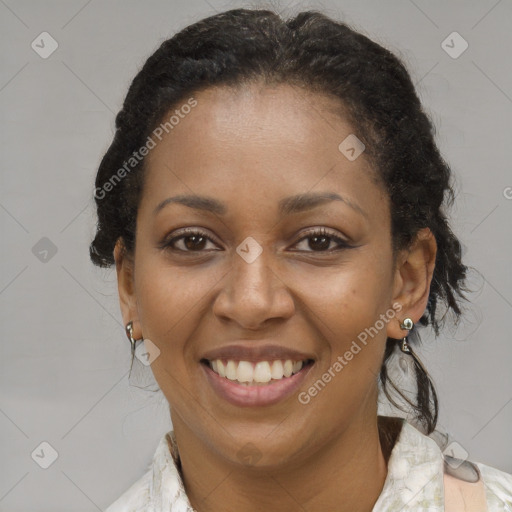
column 257, row 383
column 259, row 373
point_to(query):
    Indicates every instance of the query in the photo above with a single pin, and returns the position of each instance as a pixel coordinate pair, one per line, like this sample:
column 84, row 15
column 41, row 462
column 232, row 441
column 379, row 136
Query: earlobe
column 413, row 276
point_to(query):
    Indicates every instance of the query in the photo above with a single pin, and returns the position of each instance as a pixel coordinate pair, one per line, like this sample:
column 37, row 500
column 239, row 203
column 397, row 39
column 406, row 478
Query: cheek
column 167, row 303
column 353, row 349
column 351, row 311
column 349, row 297
column 172, row 303
column 170, row 297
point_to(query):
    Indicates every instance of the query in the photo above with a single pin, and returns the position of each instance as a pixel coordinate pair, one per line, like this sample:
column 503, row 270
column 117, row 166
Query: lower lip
column 253, row 396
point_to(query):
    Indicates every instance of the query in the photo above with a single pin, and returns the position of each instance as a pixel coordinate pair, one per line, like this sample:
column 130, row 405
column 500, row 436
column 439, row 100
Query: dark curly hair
column 316, row 54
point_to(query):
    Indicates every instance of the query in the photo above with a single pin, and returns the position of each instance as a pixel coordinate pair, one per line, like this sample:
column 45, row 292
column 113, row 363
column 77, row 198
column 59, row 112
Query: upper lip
column 239, row 352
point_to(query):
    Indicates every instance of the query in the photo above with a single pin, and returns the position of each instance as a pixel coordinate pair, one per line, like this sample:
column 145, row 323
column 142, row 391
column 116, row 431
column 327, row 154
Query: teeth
column 261, row 372
column 297, row 365
column 288, row 368
column 231, row 370
column 244, row 372
column 277, row 370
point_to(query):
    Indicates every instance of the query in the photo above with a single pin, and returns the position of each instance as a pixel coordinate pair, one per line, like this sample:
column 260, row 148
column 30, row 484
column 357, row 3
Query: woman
column 273, row 203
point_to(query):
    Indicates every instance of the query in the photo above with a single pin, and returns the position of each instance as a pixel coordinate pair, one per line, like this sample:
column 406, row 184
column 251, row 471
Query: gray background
column 65, row 358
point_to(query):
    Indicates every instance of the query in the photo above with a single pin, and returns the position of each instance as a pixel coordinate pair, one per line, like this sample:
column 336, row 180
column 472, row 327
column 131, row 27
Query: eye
column 321, row 240
column 196, row 240
column 190, row 240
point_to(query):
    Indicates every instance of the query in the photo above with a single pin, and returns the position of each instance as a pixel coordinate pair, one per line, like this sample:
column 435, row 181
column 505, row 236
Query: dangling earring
column 129, row 334
column 141, row 375
column 404, row 362
column 406, row 325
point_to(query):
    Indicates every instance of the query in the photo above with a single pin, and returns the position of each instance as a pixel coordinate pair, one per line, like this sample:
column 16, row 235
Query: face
column 259, row 241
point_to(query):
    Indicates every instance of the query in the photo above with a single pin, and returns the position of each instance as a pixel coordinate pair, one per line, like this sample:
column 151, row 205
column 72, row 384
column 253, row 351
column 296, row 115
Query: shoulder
column 135, row 498
column 498, row 487
column 416, row 475
column 161, row 488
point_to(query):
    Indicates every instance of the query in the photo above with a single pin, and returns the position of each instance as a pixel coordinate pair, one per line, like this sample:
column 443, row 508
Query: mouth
column 261, row 373
column 255, row 383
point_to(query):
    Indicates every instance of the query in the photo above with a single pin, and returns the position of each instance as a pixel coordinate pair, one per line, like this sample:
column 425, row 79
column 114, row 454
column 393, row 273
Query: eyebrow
column 287, row 206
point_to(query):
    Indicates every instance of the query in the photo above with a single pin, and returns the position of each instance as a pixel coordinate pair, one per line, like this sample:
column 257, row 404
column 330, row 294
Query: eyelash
column 168, row 244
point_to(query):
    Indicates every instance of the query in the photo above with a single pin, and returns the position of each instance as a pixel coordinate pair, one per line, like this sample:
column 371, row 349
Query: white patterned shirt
column 414, row 480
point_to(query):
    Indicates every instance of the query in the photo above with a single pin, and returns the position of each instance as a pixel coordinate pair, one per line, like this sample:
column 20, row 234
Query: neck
column 347, row 473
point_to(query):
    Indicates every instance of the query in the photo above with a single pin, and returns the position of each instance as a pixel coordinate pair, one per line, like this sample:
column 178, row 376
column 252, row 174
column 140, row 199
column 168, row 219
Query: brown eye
column 194, row 242
column 322, row 240
column 319, row 243
column 189, row 241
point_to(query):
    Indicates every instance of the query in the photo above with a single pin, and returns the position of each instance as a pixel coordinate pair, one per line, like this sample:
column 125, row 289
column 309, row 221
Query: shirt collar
column 167, row 492
column 415, row 476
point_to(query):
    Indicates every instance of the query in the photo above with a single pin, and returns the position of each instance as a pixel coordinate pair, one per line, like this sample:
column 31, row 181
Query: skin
column 249, row 149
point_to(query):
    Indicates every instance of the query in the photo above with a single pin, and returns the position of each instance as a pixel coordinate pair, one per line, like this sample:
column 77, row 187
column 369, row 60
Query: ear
column 126, row 288
column 413, row 275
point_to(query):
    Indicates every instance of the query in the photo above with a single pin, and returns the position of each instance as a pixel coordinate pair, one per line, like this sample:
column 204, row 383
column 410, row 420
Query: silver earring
column 141, row 377
column 406, row 325
column 129, row 334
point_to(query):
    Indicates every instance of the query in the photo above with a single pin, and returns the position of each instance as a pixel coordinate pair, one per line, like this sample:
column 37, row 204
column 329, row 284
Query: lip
column 255, row 396
column 255, row 353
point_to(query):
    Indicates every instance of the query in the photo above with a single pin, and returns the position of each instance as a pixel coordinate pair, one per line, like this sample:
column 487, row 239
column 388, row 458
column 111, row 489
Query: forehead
column 282, row 117
column 274, row 140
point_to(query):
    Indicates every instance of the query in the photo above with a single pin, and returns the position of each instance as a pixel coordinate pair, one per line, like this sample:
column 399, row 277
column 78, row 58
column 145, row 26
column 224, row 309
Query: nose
column 253, row 294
